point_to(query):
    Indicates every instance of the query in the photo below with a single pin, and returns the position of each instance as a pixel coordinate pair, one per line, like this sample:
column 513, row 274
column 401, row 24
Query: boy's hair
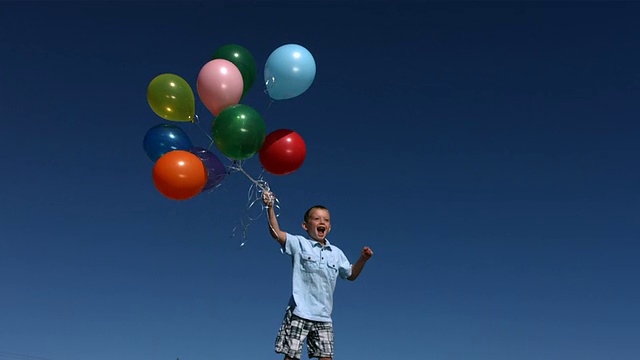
column 308, row 213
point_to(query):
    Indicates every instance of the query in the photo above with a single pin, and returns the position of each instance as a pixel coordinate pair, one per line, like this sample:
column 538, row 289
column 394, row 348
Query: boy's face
column 318, row 225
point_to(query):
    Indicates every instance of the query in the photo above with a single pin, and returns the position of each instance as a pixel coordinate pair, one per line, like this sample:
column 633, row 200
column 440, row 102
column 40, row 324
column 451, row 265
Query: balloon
column 283, row 152
column 163, row 138
column 219, row 85
column 239, row 131
column 179, row 175
column 171, row 98
column 242, row 59
column 215, row 169
column 289, row 71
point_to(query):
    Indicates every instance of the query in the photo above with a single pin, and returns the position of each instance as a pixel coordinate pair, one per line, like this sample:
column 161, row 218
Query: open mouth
column 321, row 230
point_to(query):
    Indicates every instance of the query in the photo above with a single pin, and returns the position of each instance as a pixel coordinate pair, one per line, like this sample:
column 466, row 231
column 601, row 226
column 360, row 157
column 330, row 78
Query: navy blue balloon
column 164, row 138
column 215, row 168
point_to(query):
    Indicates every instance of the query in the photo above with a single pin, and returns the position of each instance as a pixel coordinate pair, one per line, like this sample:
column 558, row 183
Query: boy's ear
column 304, row 226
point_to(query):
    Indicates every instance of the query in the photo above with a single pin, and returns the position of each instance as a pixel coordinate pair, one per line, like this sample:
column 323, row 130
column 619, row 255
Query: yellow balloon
column 171, row 98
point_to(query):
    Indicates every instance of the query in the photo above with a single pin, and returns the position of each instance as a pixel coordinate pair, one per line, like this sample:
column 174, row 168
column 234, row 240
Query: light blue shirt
column 315, row 270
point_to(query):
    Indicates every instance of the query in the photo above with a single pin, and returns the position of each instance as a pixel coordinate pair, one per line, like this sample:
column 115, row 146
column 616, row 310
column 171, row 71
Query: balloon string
column 254, row 195
column 271, row 102
column 239, row 167
column 196, row 120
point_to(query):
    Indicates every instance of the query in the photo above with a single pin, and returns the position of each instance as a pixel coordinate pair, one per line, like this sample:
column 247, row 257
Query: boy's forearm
column 356, row 268
column 274, row 227
column 272, row 222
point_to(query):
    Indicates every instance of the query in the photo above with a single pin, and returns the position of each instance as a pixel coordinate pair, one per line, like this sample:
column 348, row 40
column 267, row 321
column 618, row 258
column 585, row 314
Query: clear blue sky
column 487, row 152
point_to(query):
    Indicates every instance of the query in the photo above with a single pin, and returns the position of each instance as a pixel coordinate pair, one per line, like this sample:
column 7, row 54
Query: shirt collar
column 317, row 244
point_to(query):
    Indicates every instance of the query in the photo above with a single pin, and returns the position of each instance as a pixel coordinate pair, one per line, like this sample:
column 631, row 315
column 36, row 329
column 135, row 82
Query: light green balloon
column 239, row 132
column 171, row 98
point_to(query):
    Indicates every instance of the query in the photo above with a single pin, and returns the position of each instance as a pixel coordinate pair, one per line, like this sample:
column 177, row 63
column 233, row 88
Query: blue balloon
column 164, row 138
column 289, row 71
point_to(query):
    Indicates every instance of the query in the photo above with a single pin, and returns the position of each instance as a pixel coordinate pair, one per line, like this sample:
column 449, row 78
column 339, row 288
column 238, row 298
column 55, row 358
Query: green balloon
column 171, row 98
column 242, row 59
column 239, row 132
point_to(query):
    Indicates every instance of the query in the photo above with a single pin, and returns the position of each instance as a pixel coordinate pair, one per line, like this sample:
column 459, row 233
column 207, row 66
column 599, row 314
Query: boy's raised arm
column 356, row 268
column 274, row 227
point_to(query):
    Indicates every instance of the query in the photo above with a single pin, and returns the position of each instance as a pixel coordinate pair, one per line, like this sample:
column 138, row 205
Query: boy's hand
column 268, row 198
column 366, row 253
column 356, row 268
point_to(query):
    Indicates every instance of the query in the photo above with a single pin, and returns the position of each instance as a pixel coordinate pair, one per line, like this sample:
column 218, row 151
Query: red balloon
column 283, row 152
column 179, row 175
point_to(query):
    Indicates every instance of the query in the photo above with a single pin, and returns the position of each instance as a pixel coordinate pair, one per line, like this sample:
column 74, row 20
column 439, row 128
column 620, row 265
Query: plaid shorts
column 295, row 329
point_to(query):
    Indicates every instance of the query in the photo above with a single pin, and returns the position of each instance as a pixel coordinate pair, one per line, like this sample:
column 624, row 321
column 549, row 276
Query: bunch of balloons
column 182, row 171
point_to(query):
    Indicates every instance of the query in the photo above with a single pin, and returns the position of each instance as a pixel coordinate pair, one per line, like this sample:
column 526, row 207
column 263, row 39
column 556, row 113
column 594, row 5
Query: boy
column 316, row 266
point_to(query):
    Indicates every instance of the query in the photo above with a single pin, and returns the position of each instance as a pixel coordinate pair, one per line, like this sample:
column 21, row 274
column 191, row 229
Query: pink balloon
column 219, row 85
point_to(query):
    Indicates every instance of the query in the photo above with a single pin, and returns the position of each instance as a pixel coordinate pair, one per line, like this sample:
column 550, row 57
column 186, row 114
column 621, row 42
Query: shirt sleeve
column 291, row 245
column 344, row 266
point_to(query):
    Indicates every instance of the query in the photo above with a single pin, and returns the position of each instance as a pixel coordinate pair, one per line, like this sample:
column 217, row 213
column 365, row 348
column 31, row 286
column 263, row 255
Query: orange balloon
column 179, row 175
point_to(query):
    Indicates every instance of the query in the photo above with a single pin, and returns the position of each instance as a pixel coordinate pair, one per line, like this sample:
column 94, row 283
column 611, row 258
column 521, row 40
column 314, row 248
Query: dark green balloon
column 239, row 132
column 242, row 59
